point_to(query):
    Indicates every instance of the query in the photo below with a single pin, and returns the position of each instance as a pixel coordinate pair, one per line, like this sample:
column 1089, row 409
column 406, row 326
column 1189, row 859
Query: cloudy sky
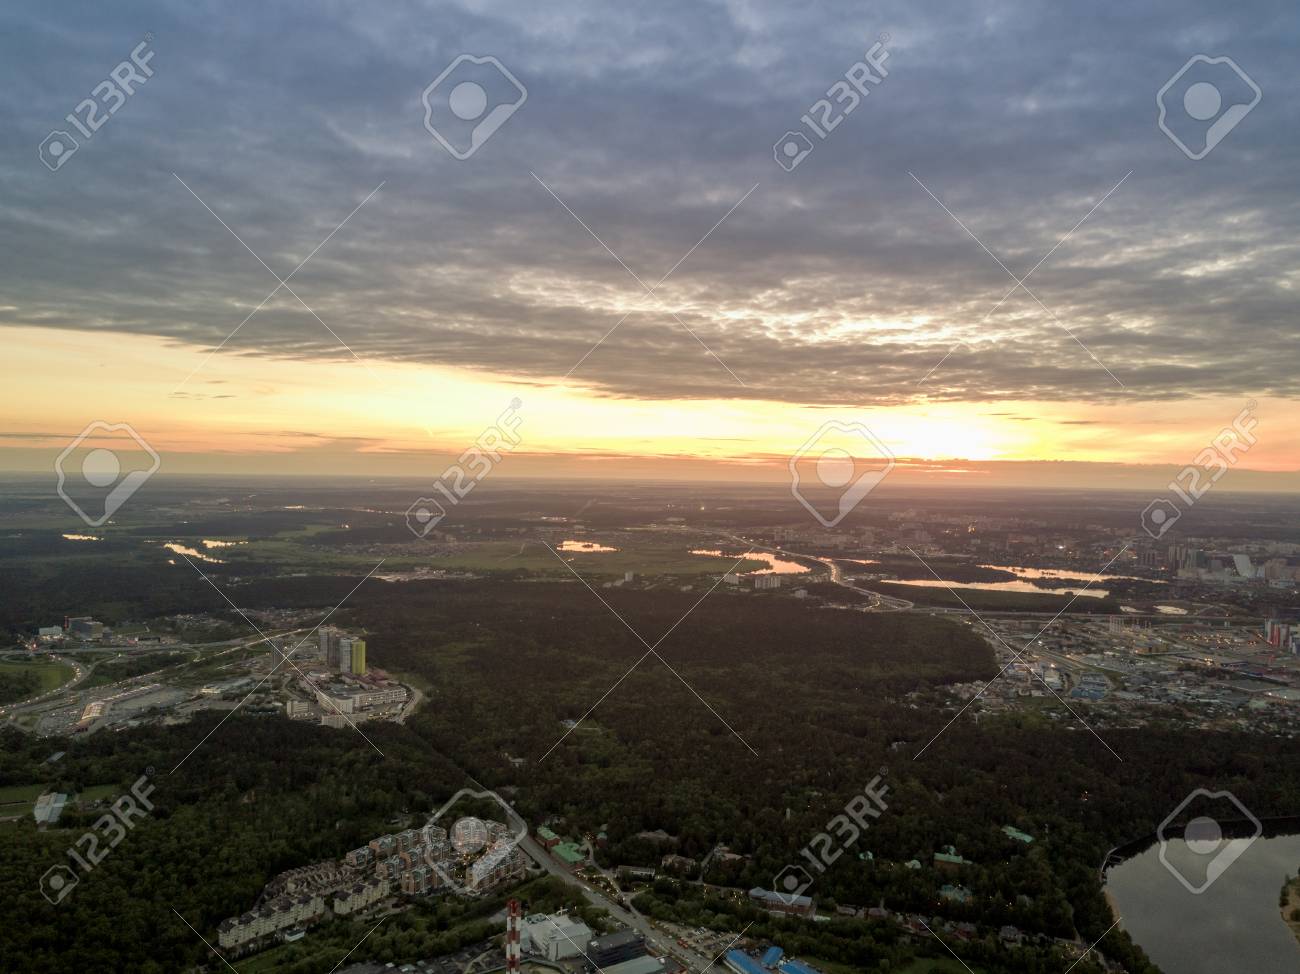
column 625, row 254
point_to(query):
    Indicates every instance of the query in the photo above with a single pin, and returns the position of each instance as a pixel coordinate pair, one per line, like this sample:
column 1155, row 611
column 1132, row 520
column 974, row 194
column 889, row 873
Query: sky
column 625, row 256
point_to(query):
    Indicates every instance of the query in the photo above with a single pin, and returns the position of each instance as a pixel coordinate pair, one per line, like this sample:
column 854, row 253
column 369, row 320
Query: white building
column 556, row 937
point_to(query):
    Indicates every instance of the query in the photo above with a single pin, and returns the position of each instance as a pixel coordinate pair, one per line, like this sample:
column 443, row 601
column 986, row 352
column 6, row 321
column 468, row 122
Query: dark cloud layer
column 839, row 282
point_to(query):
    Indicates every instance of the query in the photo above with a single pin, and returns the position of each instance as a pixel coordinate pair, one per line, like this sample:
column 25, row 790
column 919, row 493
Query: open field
column 98, row 792
column 46, row 675
column 19, row 799
column 137, row 664
column 11, row 794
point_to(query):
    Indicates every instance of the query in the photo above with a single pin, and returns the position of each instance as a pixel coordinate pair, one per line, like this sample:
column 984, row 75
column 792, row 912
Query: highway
column 83, row 673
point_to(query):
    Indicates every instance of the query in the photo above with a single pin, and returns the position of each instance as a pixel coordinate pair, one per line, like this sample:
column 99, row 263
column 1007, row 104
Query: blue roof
column 744, row 963
column 797, row 967
column 771, row 956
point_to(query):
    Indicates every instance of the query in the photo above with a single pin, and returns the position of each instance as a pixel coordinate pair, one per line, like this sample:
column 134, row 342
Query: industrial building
column 644, row 965
column 614, row 948
column 557, row 937
column 739, row 962
column 783, row 902
column 85, row 628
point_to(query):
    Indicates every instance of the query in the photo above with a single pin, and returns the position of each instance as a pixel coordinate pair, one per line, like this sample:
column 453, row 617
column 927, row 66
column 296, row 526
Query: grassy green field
column 98, row 792
column 50, row 673
column 19, row 799
column 10, row 794
column 124, row 665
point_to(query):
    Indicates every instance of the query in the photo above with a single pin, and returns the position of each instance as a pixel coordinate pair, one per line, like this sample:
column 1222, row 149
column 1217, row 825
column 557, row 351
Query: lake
column 588, row 547
column 775, row 565
column 1235, row 925
column 1016, row 586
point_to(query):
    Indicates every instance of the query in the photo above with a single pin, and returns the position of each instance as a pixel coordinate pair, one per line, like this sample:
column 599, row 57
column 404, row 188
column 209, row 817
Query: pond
column 193, row 553
column 1017, row 586
column 587, row 547
column 1234, row 925
column 1074, row 574
column 775, row 565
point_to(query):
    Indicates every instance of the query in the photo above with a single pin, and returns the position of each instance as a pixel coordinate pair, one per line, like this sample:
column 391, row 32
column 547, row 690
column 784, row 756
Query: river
column 1234, row 927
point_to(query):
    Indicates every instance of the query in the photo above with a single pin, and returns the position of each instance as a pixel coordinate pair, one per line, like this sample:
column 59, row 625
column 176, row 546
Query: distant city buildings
column 415, row 862
column 341, row 652
column 1282, row 635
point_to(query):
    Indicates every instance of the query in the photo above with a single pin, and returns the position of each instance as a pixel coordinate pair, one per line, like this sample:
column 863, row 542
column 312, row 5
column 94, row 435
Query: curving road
column 630, row 917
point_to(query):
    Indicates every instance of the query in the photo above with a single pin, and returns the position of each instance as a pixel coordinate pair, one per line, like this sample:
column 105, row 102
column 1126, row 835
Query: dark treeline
column 826, row 698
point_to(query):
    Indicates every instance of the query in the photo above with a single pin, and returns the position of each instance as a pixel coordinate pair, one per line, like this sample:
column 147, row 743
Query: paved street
column 630, row 917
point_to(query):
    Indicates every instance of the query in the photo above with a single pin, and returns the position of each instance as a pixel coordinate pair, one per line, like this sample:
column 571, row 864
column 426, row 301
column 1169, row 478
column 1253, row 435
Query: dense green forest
column 818, row 701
